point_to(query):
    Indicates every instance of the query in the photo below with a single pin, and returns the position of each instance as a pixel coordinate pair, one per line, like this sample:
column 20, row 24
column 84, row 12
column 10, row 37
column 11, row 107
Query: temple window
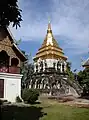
column 14, row 62
column 4, row 59
column 45, row 65
column 36, row 68
column 58, row 65
column 41, row 66
column 63, row 67
column 54, row 64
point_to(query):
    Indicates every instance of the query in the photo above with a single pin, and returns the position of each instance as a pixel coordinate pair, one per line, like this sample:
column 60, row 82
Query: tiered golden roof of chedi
column 50, row 48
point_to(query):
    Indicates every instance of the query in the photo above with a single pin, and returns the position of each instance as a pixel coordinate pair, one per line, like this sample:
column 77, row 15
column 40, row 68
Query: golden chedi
column 49, row 54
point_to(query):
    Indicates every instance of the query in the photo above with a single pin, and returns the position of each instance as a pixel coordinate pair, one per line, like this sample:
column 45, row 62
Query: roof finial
column 49, row 24
column 49, row 20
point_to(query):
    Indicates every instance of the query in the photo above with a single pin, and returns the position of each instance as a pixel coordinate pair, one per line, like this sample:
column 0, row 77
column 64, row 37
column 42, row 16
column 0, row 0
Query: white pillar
column 35, row 84
column 56, row 66
column 38, row 67
column 34, row 67
column 41, row 86
column 43, row 66
column 38, row 86
column 30, row 84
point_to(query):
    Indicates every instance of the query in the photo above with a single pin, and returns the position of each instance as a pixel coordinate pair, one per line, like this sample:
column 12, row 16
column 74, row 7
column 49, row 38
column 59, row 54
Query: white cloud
column 70, row 19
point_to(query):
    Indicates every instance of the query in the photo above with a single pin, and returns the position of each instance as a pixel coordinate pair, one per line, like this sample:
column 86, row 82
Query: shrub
column 18, row 99
column 30, row 95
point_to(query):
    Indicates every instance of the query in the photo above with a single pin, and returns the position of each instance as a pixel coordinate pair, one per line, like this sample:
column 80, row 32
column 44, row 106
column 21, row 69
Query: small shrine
column 11, row 59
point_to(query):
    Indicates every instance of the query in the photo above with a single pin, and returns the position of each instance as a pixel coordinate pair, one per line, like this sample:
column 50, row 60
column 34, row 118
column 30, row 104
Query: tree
column 69, row 71
column 27, row 71
column 68, row 66
column 83, row 79
column 10, row 13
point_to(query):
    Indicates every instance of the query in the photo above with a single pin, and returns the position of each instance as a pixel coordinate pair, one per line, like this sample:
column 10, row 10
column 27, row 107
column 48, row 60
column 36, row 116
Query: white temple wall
column 12, row 86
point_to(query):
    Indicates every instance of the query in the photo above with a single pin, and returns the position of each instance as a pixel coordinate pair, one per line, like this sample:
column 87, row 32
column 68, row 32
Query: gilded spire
column 49, row 26
column 49, row 35
column 50, row 48
column 49, row 39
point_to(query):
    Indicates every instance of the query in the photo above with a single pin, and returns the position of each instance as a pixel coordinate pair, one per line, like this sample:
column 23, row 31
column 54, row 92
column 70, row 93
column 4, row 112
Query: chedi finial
column 49, row 25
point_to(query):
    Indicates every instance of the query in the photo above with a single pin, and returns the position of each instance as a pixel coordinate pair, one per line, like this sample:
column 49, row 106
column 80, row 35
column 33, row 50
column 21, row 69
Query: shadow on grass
column 84, row 97
column 37, row 102
column 22, row 113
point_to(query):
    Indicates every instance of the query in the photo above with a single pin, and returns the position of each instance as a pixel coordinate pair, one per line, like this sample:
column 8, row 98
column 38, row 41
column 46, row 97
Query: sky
column 70, row 26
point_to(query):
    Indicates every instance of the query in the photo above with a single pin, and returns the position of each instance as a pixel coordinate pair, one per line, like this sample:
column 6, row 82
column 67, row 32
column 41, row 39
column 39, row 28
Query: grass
column 56, row 111
column 47, row 110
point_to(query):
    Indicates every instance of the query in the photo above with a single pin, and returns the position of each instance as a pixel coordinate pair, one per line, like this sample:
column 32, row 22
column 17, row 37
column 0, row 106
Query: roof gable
column 86, row 63
column 7, row 33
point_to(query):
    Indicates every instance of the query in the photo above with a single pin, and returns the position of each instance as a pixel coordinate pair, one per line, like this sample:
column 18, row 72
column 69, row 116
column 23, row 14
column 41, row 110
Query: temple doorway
column 1, row 88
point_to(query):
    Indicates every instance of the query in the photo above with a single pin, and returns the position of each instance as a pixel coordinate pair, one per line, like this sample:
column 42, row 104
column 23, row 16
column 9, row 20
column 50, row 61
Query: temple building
column 86, row 63
column 11, row 59
column 50, row 55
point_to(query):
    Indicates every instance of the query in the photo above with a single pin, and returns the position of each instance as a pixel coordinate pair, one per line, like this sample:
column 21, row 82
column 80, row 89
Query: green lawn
column 47, row 110
column 56, row 111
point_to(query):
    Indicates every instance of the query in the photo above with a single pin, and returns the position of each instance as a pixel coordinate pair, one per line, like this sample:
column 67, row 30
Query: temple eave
column 50, row 56
column 50, row 48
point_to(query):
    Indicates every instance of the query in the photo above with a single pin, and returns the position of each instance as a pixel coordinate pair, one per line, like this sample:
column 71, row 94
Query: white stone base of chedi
column 11, row 86
column 72, row 92
column 35, row 86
